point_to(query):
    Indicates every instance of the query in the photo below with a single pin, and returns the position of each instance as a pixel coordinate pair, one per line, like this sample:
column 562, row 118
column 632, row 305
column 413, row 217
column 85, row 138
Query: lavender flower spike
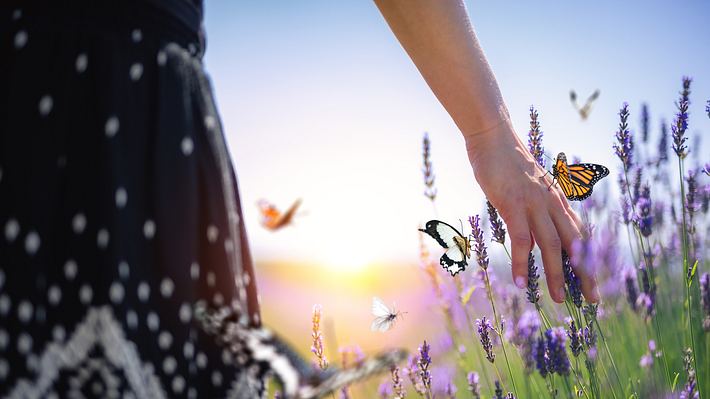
column 575, row 337
column 680, row 125
column 624, row 147
column 663, row 143
column 535, row 138
column 473, row 385
column 705, row 299
column 499, row 391
column 427, row 170
column 644, row 122
column 556, row 338
column 574, row 286
column 484, row 328
column 644, row 216
column 533, row 293
column 423, row 363
column 498, row 231
column 479, row 246
column 541, row 357
column 632, row 294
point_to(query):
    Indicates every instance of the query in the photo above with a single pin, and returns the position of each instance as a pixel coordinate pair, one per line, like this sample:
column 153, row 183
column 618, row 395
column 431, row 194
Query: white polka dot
column 121, row 197
column 169, row 365
column 16, row 14
column 165, row 340
column 82, row 61
column 4, row 339
column 255, row 318
column 187, row 146
column 212, row 233
column 162, row 58
column 102, row 238
column 136, row 71
column 112, row 126
column 195, row 270
column 12, row 230
column 20, row 39
column 246, row 279
column 54, row 295
column 32, row 242
column 32, row 363
column 210, row 122
column 124, row 270
column 132, row 319
column 85, row 294
column 192, row 393
column 143, row 291
column 216, row 378
column 78, row 223
column 201, row 360
column 166, row 287
column 136, row 35
column 45, row 105
column 226, row 357
column 153, row 321
column 70, row 268
column 211, row 279
column 5, row 304
column 59, row 333
column 188, row 350
column 24, row 343
column 228, row 245
column 185, row 313
column 116, row 292
column 149, row 229
column 178, row 384
column 217, row 298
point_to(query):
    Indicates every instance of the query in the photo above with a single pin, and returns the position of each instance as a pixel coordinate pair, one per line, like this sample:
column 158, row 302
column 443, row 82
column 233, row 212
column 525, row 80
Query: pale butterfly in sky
column 384, row 317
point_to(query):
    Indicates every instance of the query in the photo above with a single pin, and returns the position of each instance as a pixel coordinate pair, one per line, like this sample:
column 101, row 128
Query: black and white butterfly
column 458, row 247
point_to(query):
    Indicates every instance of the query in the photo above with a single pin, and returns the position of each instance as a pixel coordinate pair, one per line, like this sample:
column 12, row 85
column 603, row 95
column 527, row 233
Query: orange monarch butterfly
column 272, row 218
column 576, row 180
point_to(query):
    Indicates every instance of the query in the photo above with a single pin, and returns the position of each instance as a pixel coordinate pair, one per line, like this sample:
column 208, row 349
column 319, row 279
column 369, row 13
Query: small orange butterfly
column 272, row 218
column 576, row 180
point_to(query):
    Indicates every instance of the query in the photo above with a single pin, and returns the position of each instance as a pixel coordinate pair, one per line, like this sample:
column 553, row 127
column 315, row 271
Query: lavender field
column 648, row 246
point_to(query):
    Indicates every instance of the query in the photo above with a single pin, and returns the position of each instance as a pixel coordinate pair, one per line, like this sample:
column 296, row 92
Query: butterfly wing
column 286, row 217
column 581, row 180
column 454, row 259
column 379, row 309
column 382, row 324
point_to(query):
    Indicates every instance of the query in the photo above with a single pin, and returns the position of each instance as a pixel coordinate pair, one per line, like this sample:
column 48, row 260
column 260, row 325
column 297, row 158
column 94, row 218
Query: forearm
column 439, row 38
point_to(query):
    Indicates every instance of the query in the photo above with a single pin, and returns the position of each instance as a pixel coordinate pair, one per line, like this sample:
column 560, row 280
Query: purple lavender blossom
column 575, row 337
column 574, row 286
column 644, row 217
column 499, row 391
column 689, row 391
column 663, row 143
column 541, row 359
column 528, row 326
column 691, row 198
column 556, row 338
column 644, row 122
column 636, row 188
column 473, row 385
column 707, row 108
column 646, row 361
column 647, row 299
column 705, row 299
column 397, row 387
column 497, row 228
column 479, row 243
column 535, row 138
column 680, row 125
column 624, row 147
column 533, row 291
column 625, row 210
column 589, row 336
column 412, row 371
column 423, row 364
column 629, row 276
column 484, row 328
column 384, row 390
column 430, row 190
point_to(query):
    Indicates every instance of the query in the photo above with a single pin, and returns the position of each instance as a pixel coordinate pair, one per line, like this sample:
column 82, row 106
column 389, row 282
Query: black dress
column 118, row 205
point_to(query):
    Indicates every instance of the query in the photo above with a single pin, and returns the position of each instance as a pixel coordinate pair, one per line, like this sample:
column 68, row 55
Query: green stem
column 608, row 353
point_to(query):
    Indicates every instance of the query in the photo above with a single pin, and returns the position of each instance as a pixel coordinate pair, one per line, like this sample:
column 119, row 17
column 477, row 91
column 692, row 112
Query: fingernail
column 561, row 294
column 520, row 282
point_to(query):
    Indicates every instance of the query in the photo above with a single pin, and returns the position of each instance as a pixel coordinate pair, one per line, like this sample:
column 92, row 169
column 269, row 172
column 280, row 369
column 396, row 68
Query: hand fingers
column 521, row 243
column 551, row 247
column 569, row 233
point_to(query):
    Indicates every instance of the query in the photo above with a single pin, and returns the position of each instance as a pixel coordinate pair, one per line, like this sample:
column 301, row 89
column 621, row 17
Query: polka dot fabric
column 119, row 211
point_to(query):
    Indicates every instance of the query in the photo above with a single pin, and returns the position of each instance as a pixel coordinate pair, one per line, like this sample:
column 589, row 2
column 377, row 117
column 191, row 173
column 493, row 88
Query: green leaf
column 692, row 273
column 675, row 381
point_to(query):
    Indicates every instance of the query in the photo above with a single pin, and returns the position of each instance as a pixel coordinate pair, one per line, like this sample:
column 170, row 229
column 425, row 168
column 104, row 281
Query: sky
column 320, row 102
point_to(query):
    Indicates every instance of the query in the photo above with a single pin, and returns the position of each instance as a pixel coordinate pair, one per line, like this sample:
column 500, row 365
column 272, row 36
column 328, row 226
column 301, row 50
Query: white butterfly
column 458, row 247
column 384, row 317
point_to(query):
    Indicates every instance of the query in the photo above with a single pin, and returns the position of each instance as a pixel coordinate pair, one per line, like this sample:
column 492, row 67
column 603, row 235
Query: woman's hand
column 518, row 187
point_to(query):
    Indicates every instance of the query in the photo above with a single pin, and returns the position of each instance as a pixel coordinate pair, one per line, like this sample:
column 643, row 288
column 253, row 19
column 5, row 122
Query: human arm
column 440, row 40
